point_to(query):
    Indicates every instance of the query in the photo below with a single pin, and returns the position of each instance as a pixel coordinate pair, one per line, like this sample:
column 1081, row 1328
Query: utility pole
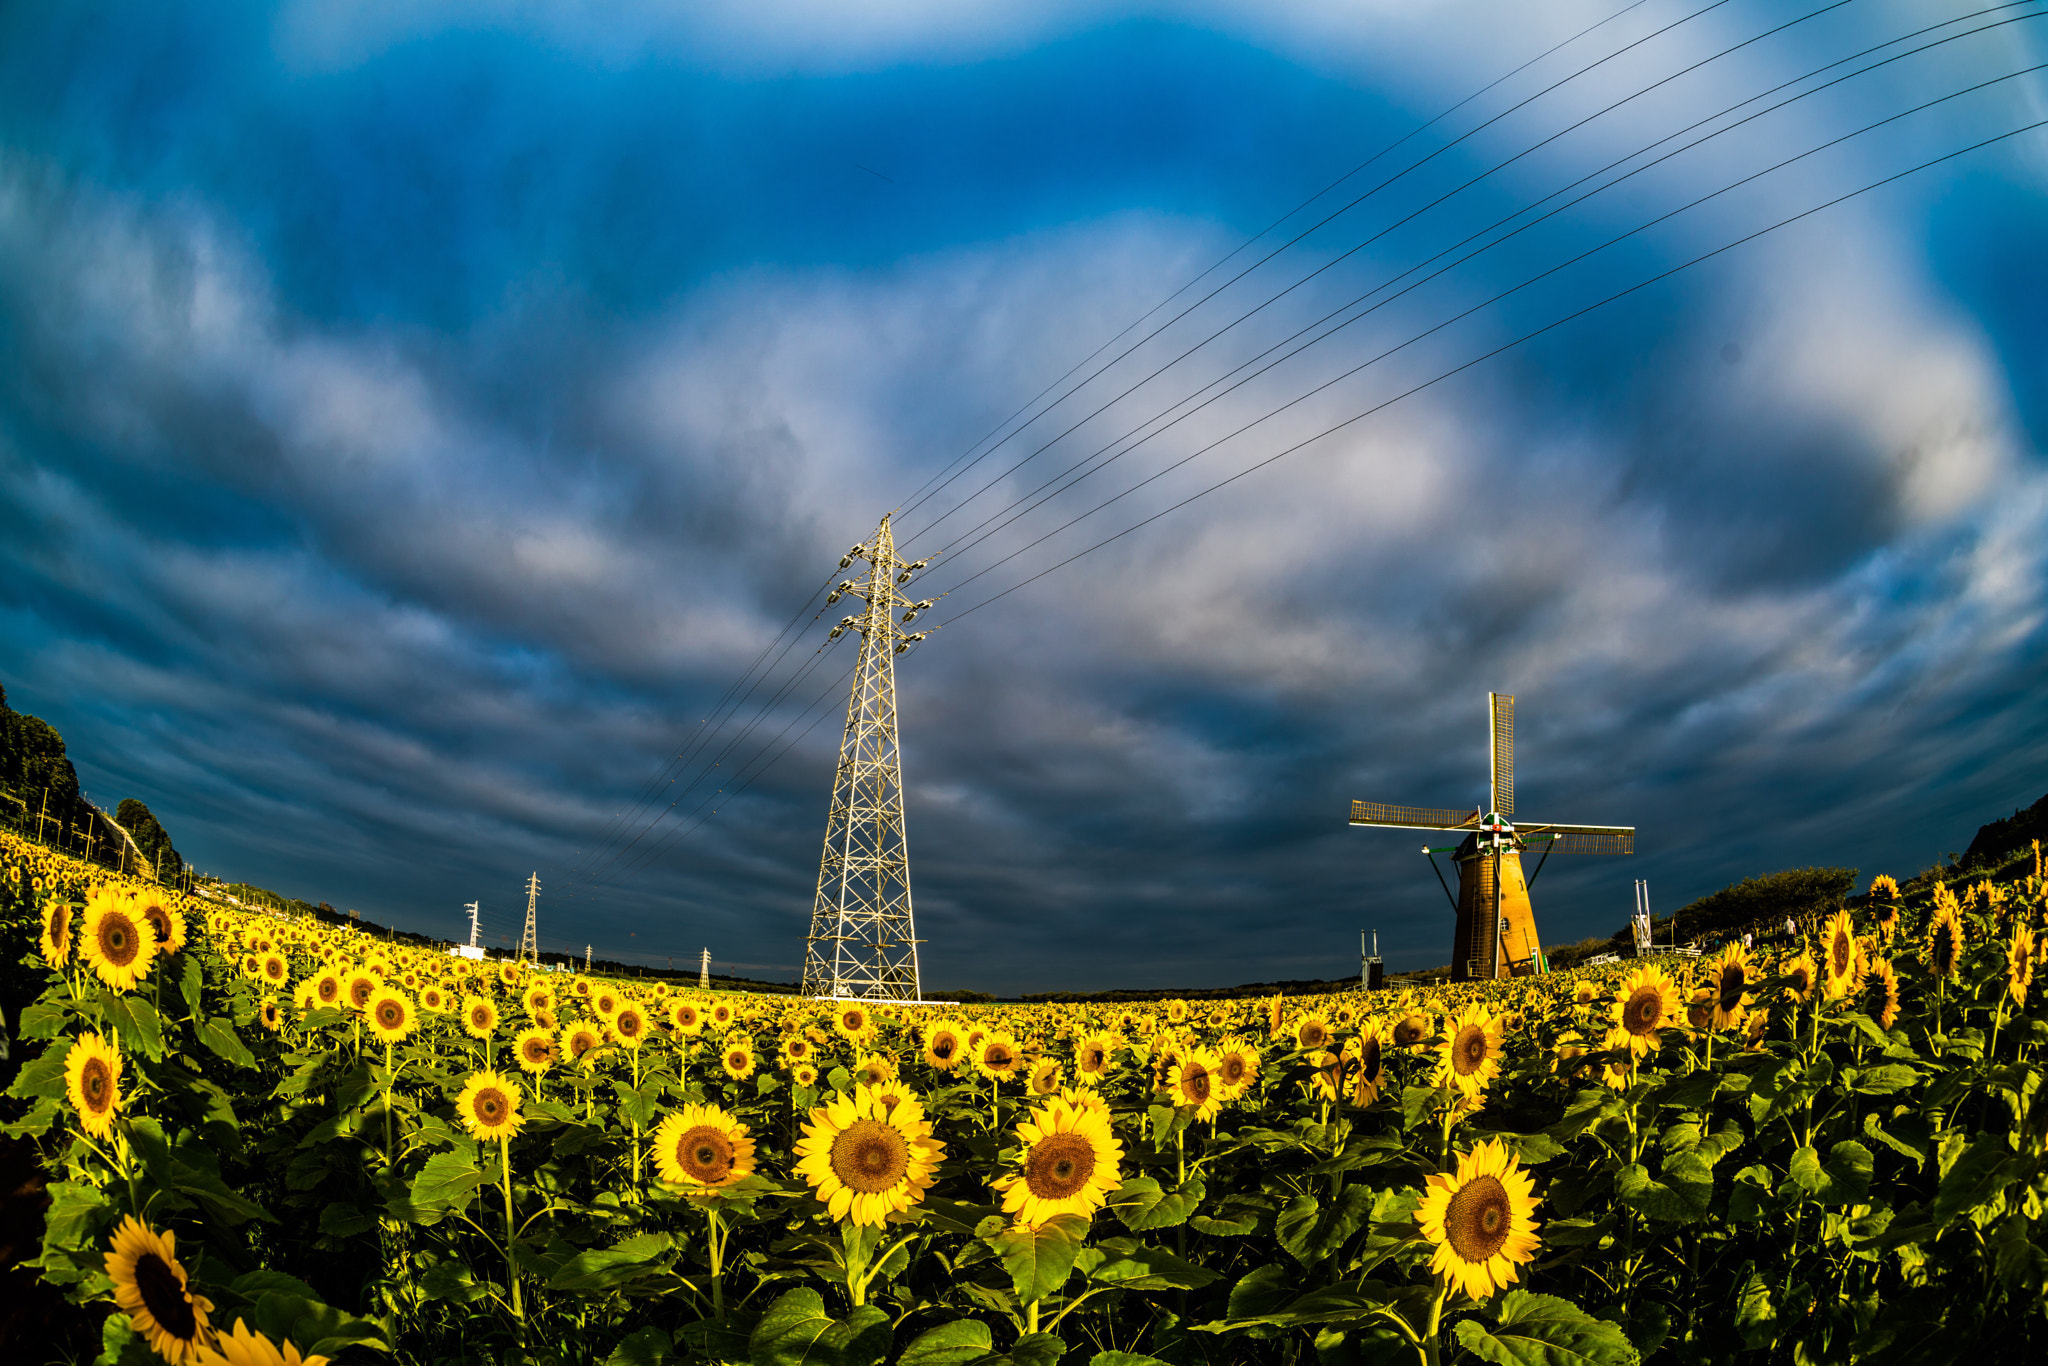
column 586, row 958
column 863, row 942
column 704, row 971
column 528, row 944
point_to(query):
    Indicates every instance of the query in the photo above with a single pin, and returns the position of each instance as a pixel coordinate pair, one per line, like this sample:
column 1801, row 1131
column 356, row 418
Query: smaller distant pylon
column 704, row 971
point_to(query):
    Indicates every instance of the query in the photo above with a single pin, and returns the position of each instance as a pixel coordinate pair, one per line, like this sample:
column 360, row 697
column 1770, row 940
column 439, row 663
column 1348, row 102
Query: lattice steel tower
column 863, row 943
column 529, row 944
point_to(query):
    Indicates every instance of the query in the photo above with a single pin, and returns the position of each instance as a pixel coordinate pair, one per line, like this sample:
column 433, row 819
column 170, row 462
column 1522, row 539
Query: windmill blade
column 1501, row 706
column 1412, row 817
column 1584, row 839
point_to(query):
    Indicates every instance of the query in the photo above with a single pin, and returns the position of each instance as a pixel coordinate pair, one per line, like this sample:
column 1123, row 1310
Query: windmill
column 1496, row 934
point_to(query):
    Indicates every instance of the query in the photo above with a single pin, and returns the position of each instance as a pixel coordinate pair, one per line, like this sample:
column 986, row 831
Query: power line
column 1097, row 455
column 1510, row 345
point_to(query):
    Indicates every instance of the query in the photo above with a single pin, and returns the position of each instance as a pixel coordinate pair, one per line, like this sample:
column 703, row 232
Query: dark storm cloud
column 413, row 420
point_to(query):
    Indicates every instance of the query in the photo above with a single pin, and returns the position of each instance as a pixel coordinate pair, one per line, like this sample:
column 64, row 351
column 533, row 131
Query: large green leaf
column 135, row 1020
column 796, row 1331
column 1037, row 1349
column 1973, row 1176
column 631, row 1259
column 1683, row 1194
column 1311, row 1230
column 1525, row 1329
column 648, row 1347
column 42, row 1077
column 1144, row 1205
column 1040, row 1259
column 1124, row 1359
column 449, row 1181
column 1844, row 1179
column 222, row 1042
column 1130, row 1265
column 950, row 1344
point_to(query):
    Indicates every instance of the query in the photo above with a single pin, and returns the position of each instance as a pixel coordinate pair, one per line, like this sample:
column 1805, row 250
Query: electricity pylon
column 863, row 944
column 529, row 945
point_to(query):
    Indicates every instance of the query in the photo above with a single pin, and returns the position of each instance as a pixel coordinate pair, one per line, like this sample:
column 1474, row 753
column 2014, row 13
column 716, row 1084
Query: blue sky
column 414, row 416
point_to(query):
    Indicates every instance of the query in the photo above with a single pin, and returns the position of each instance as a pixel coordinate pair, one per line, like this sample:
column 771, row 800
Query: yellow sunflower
column 794, row 1049
column 1194, row 1085
column 943, row 1046
column 117, row 944
column 326, row 989
column 738, row 1060
column 998, row 1057
column 389, row 1015
column 150, row 1285
column 271, row 1015
column 1069, row 1163
column 803, row 1075
column 1237, row 1066
column 1412, row 1029
column 1470, row 1054
column 854, row 1024
column 1645, row 1005
column 1841, row 961
column 536, row 1050
column 357, row 987
column 1045, row 1077
column 434, row 999
column 874, row 1070
column 703, row 1148
column 56, row 941
column 489, row 1106
column 606, row 1002
column 1481, row 1220
column 1729, row 976
column 583, row 1042
column 92, row 1082
column 1368, row 1069
column 866, row 1159
column 479, row 1017
column 1945, row 939
column 1094, row 1058
column 2019, row 963
column 1311, row 1032
column 1802, row 977
column 685, row 1018
column 274, row 969
column 1881, row 992
column 247, row 1347
column 629, row 1024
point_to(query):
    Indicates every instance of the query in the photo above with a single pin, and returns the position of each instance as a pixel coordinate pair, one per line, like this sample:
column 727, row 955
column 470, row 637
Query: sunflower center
column 1314, row 1036
column 1644, row 1011
column 1843, row 953
column 1232, row 1069
column 1369, row 1060
column 1409, row 1030
column 1733, row 979
column 1469, row 1052
column 1059, row 1166
column 328, row 989
column 1477, row 1221
column 97, row 1082
column 537, row 1050
column 159, row 922
column 489, row 1106
column 390, row 1014
column 998, row 1057
column 359, row 992
column 1195, row 1083
column 869, row 1156
column 944, row 1047
column 118, row 941
column 705, row 1154
column 163, row 1294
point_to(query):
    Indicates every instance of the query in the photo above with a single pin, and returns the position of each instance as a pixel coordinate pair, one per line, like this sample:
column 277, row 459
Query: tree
column 1796, row 892
column 151, row 838
column 35, row 772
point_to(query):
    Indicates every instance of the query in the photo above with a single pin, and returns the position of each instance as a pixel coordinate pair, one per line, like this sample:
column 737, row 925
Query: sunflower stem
column 511, row 1232
column 717, row 1244
column 1432, row 1348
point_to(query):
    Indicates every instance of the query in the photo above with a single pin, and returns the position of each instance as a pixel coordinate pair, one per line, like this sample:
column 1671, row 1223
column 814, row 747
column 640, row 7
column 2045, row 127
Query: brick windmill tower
column 1496, row 934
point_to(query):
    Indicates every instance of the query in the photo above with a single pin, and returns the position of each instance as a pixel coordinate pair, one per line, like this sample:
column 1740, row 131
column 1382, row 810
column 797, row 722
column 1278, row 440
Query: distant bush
column 1798, row 893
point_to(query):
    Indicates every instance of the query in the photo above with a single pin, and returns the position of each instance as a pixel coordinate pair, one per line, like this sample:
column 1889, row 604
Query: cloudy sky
column 415, row 417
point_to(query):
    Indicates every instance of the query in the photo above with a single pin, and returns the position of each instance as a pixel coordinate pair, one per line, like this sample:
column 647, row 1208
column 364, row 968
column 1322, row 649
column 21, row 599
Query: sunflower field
column 274, row 1141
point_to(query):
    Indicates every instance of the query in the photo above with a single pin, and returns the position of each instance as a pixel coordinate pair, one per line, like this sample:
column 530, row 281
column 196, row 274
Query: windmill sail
column 1502, row 706
column 1412, row 817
